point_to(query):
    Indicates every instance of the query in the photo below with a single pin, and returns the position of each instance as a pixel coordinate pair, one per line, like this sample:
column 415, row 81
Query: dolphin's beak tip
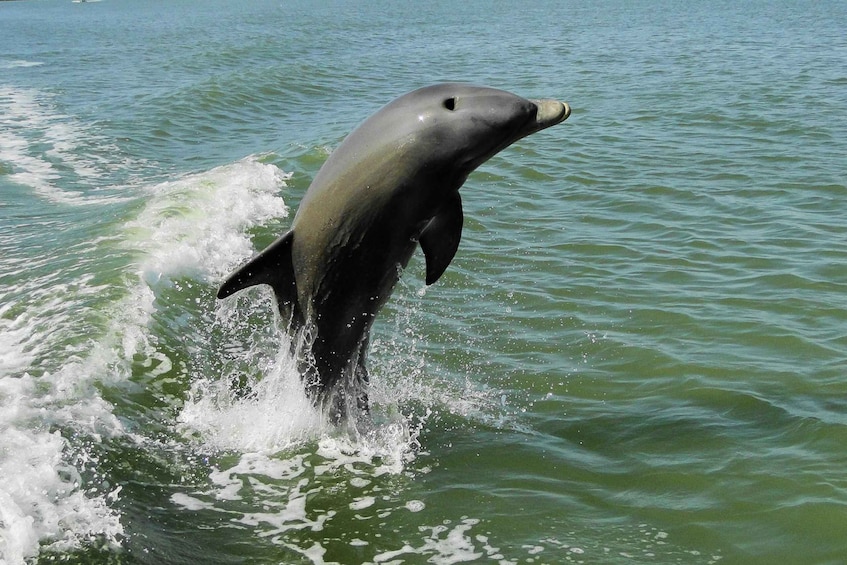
column 551, row 112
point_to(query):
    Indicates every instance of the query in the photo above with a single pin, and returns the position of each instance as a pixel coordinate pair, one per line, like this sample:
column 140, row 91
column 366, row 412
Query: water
column 637, row 356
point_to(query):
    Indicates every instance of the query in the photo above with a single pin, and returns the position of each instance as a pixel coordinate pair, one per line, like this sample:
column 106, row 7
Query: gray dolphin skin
column 391, row 185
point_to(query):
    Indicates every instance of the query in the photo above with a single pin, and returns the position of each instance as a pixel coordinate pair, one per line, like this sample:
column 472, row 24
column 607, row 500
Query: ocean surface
column 638, row 355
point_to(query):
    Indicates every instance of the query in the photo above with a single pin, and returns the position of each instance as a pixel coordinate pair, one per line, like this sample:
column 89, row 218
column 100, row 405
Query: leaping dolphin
column 391, row 185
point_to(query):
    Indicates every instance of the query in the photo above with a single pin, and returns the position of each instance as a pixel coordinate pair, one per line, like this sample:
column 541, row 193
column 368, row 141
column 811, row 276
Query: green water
column 637, row 356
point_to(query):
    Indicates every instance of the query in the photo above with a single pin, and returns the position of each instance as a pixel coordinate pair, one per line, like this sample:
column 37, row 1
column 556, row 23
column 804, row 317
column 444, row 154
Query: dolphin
column 391, row 185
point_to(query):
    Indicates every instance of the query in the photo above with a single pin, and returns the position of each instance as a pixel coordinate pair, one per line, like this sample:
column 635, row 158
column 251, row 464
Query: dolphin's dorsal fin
column 273, row 267
column 440, row 238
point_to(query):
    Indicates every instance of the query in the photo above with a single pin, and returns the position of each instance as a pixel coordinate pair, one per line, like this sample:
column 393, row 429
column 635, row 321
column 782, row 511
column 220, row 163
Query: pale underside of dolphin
column 391, row 185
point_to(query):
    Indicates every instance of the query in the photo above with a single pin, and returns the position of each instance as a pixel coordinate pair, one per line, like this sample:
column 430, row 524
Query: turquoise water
column 637, row 356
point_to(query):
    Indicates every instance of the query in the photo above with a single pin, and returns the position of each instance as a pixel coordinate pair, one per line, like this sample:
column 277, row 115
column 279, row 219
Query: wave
column 76, row 329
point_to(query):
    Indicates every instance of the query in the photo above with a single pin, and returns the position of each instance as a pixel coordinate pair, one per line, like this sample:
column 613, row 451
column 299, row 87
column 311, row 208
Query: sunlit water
column 637, row 356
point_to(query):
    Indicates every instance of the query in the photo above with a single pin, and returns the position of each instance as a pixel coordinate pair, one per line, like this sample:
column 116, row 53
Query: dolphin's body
column 391, row 185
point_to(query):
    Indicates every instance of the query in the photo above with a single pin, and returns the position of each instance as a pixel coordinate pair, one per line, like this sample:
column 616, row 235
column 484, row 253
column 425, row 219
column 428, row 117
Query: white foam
column 446, row 544
column 362, row 502
column 42, row 498
column 415, row 505
column 191, row 503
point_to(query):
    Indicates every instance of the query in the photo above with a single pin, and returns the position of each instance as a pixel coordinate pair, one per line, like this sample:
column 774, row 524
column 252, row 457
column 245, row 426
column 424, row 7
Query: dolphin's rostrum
column 391, row 185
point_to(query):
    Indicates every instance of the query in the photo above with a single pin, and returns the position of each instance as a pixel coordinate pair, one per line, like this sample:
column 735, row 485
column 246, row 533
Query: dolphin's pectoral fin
column 273, row 267
column 440, row 238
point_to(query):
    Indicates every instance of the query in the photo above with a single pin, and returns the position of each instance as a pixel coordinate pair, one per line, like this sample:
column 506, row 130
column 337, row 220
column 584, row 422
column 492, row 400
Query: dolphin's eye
column 450, row 103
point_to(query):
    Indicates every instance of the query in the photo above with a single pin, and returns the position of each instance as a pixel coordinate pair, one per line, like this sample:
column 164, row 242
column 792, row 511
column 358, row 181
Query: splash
column 273, row 416
column 258, row 404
